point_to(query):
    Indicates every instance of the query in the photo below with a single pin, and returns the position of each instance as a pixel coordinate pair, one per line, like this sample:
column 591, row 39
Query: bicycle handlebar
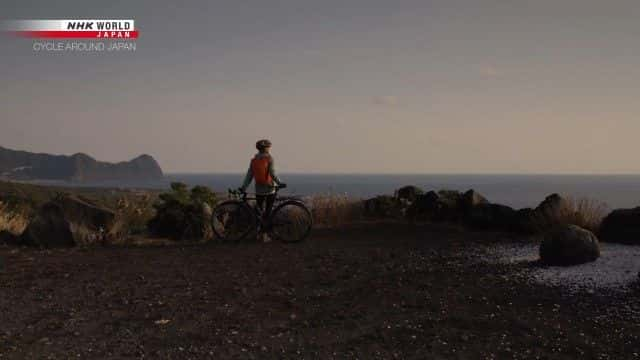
column 243, row 193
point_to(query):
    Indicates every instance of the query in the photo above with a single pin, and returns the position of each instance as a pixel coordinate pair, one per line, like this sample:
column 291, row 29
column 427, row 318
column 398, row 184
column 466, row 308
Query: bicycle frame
column 245, row 198
column 268, row 224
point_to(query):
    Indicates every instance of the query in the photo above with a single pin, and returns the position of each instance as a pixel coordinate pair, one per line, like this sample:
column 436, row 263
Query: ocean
column 617, row 191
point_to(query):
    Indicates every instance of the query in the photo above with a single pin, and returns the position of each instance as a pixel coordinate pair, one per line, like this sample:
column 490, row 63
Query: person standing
column 262, row 171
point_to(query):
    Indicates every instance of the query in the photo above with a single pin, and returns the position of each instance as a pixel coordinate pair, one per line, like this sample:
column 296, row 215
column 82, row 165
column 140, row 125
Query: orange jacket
column 260, row 170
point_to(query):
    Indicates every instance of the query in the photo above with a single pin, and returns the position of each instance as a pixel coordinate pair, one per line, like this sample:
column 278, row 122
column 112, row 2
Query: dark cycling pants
column 269, row 199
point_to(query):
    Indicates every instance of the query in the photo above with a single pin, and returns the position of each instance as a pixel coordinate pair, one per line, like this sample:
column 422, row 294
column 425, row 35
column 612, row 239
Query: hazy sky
column 475, row 86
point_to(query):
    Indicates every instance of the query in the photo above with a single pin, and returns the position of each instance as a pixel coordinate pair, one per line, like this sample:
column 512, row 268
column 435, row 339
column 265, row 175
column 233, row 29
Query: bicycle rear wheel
column 291, row 221
column 233, row 220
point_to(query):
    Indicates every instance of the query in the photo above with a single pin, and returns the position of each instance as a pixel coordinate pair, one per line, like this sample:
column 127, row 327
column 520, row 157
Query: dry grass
column 584, row 212
column 12, row 220
column 132, row 215
column 335, row 210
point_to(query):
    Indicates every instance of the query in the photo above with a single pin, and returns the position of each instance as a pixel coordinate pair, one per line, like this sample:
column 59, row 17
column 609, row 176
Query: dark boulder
column 449, row 206
column 8, row 238
column 525, row 221
column 450, row 197
column 621, row 226
column 49, row 228
column 552, row 205
column 383, row 206
column 68, row 221
column 200, row 226
column 408, row 193
column 438, row 207
column 554, row 210
column 471, row 199
column 569, row 245
column 424, row 207
column 491, row 217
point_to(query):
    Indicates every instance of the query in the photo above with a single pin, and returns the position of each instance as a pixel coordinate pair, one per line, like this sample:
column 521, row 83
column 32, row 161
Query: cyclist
column 262, row 170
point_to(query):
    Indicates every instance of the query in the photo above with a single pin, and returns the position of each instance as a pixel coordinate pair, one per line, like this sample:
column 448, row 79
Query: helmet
column 264, row 143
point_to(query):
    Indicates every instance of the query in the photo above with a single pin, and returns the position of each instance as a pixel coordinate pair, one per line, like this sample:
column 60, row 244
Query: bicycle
column 233, row 220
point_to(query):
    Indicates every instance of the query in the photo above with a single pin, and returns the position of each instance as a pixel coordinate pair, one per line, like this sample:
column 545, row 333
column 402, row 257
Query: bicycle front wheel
column 233, row 220
column 291, row 221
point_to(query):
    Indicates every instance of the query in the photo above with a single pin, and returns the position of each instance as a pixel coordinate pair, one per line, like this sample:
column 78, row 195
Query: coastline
column 515, row 190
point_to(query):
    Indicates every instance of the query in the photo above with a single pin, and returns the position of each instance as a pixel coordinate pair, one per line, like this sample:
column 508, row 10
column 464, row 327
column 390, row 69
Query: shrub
column 13, row 219
column 335, row 210
column 583, row 212
column 384, row 207
column 182, row 213
column 133, row 213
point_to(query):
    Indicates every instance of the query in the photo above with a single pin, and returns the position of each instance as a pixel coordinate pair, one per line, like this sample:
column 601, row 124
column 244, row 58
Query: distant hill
column 23, row 165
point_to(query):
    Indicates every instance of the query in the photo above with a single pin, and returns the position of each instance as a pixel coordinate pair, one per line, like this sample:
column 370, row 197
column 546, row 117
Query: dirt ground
column 369, row 291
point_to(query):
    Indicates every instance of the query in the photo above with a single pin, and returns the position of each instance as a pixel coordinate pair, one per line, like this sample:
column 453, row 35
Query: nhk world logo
column 73, row 29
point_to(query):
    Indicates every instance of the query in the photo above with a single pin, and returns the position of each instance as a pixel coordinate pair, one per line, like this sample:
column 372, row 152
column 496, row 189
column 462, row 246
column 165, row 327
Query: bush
column 182, row 213
column 13, row 219
column 133, row 213
column 583, row 212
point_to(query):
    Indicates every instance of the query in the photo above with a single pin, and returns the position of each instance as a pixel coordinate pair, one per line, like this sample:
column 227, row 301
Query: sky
column 339, row 86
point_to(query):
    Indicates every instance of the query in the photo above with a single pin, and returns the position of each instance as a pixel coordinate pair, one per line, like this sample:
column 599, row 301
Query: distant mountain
column 23, row 165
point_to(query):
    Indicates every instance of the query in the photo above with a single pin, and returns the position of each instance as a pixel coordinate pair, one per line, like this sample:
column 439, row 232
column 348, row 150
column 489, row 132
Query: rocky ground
column 616, row 270
column 369, row 291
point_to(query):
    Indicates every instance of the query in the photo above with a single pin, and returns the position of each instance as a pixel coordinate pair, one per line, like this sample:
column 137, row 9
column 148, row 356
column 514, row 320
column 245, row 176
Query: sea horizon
column 404, row 173
column 515, row 190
